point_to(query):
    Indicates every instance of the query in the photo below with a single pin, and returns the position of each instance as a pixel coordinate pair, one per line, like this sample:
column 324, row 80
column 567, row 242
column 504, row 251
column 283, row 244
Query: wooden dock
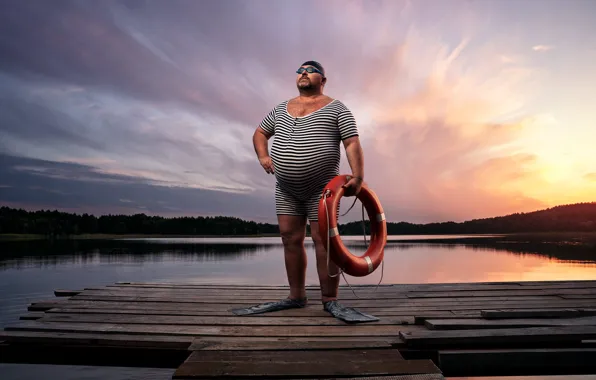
column 426, row 331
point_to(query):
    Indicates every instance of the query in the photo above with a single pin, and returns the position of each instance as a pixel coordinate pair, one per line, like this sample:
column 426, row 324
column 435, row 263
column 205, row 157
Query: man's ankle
column 299, row 297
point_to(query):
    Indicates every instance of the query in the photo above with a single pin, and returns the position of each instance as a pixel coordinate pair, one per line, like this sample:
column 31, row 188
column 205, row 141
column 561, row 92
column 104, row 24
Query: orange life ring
column 349, row 263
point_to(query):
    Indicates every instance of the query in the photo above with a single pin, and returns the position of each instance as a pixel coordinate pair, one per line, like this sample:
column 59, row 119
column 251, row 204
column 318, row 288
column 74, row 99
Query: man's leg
column 329, row 285
column 292, row 226
column 293, row 230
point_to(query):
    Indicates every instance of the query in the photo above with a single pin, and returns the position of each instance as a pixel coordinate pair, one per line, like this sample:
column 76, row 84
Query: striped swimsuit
column 306, row 154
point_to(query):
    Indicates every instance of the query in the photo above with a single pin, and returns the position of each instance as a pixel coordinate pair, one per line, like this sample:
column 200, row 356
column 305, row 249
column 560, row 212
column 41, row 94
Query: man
column 305, row 156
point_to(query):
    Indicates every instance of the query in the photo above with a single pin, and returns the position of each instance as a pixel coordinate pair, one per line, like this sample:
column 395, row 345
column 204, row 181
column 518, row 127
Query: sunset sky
column 466, row 109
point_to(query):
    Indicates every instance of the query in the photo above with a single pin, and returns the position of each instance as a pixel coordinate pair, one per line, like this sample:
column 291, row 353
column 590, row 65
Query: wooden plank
column 357, row 303
column 227, row 298
column 404, row 317
column 312, row 310
column 392, row 340
column 264, row 320
column 535, row 313
column 189, row 304
column 31, row 316
column 267, row 331
column 511, row 362
column 344, row 291
column 556, row 334
column 66, row 293
column 231, row 301
column 357, row 289
column 504, row 293
column 359, row 294
column 420, row 318
column 557, row 282
column 431, row 286
column 579, row 296
column 280, row 364
column 251, row 286
column 478, row 323
column 279, row 344
column 37, row 305
column 173, row 342
column 476, row 300
column 425, row 376
column 342, row 288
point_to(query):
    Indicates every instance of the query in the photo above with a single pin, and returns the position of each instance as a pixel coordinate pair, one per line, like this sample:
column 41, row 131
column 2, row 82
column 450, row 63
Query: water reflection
column 88, row 252
column 260, row 260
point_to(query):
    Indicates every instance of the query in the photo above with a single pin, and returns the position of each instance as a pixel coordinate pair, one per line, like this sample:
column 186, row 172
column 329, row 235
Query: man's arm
column 355, row 156
column 260, row 140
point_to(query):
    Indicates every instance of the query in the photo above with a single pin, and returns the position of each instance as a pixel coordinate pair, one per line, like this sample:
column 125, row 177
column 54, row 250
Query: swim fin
column 347, row 314
column 271, row 306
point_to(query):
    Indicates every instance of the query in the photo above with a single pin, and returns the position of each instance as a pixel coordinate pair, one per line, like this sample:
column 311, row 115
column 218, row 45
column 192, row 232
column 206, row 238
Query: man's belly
column 305, row 173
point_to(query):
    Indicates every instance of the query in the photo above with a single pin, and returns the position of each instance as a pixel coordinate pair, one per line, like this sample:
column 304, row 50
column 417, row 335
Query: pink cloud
column 445, row 149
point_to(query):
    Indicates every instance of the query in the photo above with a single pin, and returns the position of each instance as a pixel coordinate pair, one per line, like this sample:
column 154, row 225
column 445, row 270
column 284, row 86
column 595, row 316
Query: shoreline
column 573, row 238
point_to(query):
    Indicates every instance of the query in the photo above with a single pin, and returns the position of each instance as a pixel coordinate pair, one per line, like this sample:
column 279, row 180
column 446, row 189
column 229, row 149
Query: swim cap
column 315, row 64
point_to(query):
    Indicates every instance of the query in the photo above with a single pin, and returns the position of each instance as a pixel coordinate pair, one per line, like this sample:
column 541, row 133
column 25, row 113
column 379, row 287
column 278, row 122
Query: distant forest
column 580, row 217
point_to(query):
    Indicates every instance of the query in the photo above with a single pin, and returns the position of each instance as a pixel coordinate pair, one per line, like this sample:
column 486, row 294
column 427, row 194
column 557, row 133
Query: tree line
column 577, row 217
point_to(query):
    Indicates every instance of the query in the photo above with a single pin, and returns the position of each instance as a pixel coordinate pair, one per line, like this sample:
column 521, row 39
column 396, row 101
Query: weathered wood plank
column 359, row 302
column 405, row 317
column 265, row 331
column 227, row 298
column 208, row 321
column 205, row 300
column 591, row 297
column 31, row 316
column 37, row 305
column 383, row 289
column 252, row 295
column 66, row 293
column 465, row 324
column 405, row 308
column 503, row 293
column 503, row 362
column 426, row 376
column 431, row 286
column 557, row 334
column 534, row 313
column 271, row 364
column 279, row 344
column 174, row 342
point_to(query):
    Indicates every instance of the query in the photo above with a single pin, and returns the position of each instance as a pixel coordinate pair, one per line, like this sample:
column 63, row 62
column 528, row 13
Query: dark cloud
column 206, row 56
column 37, row 184
column 39, row 124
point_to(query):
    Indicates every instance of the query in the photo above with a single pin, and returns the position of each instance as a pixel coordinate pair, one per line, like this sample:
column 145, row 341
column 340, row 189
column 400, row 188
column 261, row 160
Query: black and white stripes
column 306, row 151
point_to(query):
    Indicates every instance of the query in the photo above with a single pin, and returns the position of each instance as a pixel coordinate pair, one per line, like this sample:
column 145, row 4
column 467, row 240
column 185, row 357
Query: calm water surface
column 30, row 271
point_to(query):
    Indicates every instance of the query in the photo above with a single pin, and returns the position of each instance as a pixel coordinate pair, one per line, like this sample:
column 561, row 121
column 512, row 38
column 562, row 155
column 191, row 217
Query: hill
column 579, row 217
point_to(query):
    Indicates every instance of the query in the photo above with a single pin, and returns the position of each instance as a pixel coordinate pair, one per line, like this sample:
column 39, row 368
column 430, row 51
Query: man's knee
column 316, row 236
column 292, row 238
column 292, row 230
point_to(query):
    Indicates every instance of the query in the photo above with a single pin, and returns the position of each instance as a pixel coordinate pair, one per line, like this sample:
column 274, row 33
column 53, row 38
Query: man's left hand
column 352, row 187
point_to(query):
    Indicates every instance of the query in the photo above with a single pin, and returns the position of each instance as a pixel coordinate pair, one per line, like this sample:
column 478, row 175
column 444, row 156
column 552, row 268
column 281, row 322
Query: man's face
column 306, row 80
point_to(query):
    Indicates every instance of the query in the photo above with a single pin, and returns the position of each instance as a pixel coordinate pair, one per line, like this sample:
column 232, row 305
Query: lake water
column 30, row 271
